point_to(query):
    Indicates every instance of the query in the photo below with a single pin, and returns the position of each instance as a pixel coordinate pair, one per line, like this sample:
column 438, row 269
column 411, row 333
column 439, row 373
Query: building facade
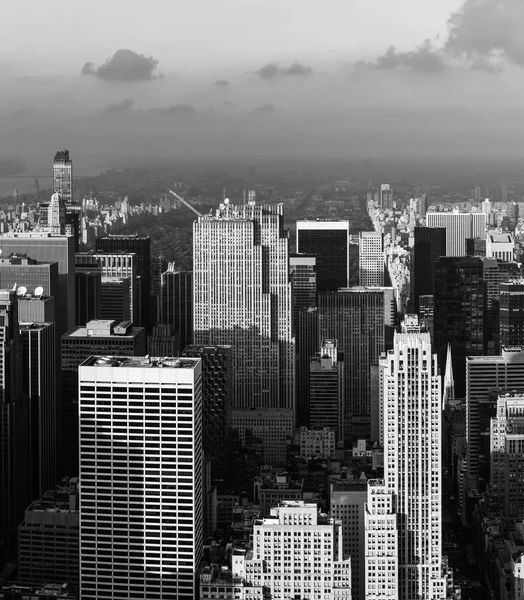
column 63, row 176
column 141, row 490
column 328, row 241
column 459, row 227
column 371, row 259
column 176, row 304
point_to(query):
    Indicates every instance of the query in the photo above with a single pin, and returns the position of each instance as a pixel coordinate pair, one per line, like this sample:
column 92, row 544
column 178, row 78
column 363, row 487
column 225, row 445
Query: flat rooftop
column 141, row 362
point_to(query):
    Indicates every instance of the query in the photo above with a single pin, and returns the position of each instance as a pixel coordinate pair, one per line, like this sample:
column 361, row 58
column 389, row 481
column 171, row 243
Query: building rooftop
column 141, row 362
column 100, row 328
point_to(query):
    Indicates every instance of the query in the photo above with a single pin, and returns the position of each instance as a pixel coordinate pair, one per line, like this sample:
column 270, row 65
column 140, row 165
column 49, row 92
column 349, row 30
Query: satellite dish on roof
column 21, row 291
column 39, row 291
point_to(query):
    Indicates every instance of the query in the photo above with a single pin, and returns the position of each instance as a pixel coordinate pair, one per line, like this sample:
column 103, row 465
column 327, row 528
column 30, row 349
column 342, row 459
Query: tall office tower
column 88, row 282
column 303, row 273
column 158, row 266
column 47, row 248
column 329, row 242
column 476, row 247
column 485, row 375
column 511, row 313
column 347, row 504
column 459, row 312
column 243, row 299
column 459, row 227
column 97, row 337
column 448, row 387
column 307, row 346
column 381, row 543
column 141, row 460
column 357, row 319
column 486, row 208
column 48, row 537
column 37, row 309
column 217, row 381
column 141, row 246
column 429, row 246
column 386, row 196
column 478, row 193
column 500, row 245
column 371, row 259
column 63, row 176
column 116, row 295
column 411, row 400
column 507, row 455
column 297, row 539
column 40, row 385
column 326, row 389
column 176, row 304
column 56, row 215
column 13, row 424
column 422, row 206
column 122, row 266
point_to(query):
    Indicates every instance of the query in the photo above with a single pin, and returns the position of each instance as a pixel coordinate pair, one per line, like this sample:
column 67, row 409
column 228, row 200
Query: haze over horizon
column 264, row 79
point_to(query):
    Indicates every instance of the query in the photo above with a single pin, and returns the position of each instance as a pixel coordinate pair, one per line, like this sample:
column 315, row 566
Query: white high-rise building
column 141, row 490
column 242, row 298
column 411, row 412
column 297, row 553
column 371, row 259
column 63, row 176
column 386, row 196
column 381, row 543
column 459, row 227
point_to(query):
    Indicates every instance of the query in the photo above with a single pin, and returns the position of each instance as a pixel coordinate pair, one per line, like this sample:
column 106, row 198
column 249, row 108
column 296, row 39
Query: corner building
column 242, row 299
column 141, row 491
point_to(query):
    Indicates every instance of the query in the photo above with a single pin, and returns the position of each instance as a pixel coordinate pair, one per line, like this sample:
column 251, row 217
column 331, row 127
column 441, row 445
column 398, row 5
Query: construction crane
column 185, row 203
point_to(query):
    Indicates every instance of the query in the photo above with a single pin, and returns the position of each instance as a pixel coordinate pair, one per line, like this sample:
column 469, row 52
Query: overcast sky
column 54, row 37
column 188, row 78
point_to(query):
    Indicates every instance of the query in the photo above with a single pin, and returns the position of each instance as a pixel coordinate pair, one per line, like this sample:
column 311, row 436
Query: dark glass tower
column 217, row 379
column 141, row 246
column 329, row 242
column 303, row 272
column 176, row 304
column 308, row 345
column 430, row 244
column 512, row 313
column 88, row 282
column 460, row 302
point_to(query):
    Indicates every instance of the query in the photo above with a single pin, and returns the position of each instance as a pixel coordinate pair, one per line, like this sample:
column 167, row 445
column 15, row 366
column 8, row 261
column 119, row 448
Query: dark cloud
column 178, row 110
column 424, row 59
column 269, row 71
column 124, row 65
column 221, row 83
column 120, row 107
column 265, row 108
column 297, row 69
column 488, row 32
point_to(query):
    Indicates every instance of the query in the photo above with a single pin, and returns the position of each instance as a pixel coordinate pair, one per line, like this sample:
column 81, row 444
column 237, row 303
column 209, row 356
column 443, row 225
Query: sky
column 52, row 38
column 111, row 80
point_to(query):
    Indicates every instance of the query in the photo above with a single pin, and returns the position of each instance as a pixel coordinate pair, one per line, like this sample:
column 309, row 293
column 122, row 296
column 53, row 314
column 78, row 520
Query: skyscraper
column 108, row 337
column 326, row 389
column 141, row 492
column 48, row 248
column 176, row 304
column 386, row 196
column 371, row 259
column 411, row 398
column 512, row 313
column 88, row 282
column 459, row 227
column 328, row 241
column 308, row 344
column 357, row 319
column 242, row 299
column 141, row 246
column 13, row 424
column 56, row 215
column 63, row 176
column 121, row 267
column 459, row 312
column 507, row 454
column 217, row 381
column 303, row 272
column 40, row 384
column 430, row 245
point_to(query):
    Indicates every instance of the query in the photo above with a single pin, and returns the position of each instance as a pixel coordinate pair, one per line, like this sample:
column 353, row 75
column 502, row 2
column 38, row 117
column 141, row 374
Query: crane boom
column 185, row 203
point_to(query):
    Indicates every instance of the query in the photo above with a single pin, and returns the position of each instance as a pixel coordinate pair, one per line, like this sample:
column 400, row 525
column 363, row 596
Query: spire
column 449, row 384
